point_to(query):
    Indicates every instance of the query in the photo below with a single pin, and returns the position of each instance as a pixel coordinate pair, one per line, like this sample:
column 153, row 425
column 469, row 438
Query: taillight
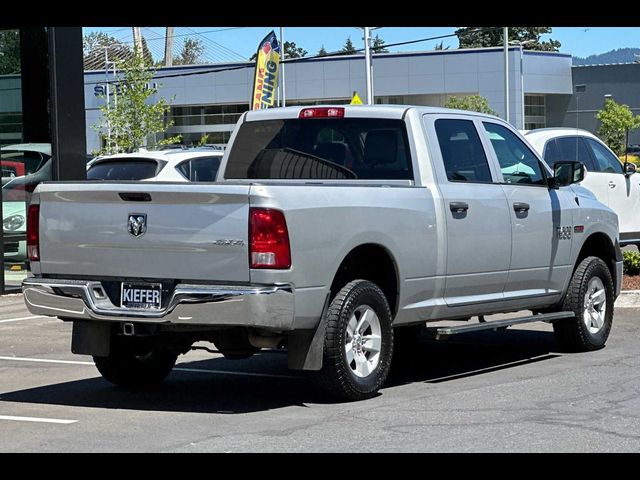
column 269, row 239
column 33, row 233
column 322, row 112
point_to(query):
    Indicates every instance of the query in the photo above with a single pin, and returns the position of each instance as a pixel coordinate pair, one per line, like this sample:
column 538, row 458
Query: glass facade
column 39, row 94
column 14, row 162
column 534, row 112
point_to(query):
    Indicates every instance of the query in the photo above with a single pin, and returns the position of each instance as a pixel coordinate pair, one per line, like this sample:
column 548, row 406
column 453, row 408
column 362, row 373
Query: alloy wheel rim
column 363, row 341
column 595, row 305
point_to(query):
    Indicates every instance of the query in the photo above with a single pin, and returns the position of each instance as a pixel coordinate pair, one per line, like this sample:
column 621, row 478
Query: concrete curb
column 628, row 299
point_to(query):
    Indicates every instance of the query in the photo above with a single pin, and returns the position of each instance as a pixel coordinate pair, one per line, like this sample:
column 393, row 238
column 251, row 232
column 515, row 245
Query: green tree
column 348, row 48
column 474, row 103
column 615, row 120
column 133, row 115
column 9, row 52
column 94, row 45
column 378, row 45
column 476, row 37
column 322, row 52
column 293, row 51
column 191, row 53
column 440, row 46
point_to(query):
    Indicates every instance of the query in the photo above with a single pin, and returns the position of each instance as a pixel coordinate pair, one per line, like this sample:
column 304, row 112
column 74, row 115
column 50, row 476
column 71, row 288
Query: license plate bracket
column 141, row 296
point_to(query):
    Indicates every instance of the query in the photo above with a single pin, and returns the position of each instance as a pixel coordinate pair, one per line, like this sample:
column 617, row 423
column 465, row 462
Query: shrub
column 631, row 263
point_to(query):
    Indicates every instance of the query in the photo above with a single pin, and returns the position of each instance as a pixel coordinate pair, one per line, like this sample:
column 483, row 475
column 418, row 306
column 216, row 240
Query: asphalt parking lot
column 509, row 390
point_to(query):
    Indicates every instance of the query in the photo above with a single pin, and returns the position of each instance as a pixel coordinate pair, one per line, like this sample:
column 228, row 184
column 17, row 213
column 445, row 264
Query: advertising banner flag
column 265, row 81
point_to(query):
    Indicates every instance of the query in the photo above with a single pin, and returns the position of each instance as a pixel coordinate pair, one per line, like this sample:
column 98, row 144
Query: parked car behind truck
column 328, row 231
column 615, row 184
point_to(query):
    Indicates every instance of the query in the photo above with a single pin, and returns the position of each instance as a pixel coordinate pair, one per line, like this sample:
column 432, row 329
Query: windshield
column 346, row 148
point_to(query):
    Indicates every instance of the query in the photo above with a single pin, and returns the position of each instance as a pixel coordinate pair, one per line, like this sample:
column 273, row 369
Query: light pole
column 283, row 99
column 368, row 64
column 505, row 41
column 521, row 45
column 578, row 89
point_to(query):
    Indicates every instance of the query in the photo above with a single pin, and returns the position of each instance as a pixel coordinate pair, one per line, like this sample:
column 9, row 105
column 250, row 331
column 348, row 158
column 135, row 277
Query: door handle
column 521, row 207
column 612, row 185
column 458, row 207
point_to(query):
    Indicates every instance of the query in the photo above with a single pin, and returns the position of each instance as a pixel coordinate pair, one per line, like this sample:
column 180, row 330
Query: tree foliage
column 348, row 47
column 474, row 103
column 476, row 37
column 293, row 51
column 615, row 120
column 440, row 46
column 93, row 47
column 9, row 52
column 133, row 113
column 378, row 45
column 191, row 53
column 322, row 52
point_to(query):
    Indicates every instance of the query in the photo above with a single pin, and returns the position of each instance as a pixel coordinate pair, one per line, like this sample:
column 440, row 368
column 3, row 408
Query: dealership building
column 209, row 99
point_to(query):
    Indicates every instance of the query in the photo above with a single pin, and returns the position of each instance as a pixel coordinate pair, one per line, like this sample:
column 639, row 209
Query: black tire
column 337, row 376
column 129, row 368
column 572, row 333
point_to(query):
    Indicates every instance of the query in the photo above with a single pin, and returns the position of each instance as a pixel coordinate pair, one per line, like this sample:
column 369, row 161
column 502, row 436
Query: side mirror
column 567, row 172
column 629, row 168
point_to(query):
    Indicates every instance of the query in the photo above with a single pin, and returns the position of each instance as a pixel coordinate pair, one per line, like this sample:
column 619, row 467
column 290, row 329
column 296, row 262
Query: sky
column 235, row 43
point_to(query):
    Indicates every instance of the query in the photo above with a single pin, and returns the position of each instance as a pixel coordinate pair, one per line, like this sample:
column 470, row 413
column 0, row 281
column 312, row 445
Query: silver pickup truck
column 329, row 231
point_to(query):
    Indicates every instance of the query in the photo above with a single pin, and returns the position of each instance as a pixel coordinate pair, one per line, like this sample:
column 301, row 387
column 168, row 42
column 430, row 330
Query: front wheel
column 590, row 297
column 129, row 367
column 358, row 344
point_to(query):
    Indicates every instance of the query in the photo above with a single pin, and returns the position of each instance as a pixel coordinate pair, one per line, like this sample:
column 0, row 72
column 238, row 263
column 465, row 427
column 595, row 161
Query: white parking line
column 226, row 372
column 36, row 419
column 177, row 369
column 45, row 360
column 22, row 318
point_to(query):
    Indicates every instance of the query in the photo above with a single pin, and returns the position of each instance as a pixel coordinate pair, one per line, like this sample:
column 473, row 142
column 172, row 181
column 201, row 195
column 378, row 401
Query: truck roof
column 370, row 111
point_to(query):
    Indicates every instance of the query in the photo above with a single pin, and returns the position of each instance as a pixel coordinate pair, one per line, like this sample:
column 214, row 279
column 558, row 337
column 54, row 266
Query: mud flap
column 91, row 338
column 306, row 347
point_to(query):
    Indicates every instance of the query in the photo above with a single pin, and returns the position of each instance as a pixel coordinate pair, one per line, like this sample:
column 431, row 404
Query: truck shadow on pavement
column 243, row 389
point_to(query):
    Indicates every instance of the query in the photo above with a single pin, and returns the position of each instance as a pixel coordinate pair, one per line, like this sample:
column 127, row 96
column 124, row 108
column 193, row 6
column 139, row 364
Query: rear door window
column 203, row 169
column 124, row 169
column 462, row 153
column 344, row 148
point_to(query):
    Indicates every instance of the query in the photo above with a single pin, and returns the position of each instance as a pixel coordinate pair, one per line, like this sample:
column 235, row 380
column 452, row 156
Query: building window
column 534, row 112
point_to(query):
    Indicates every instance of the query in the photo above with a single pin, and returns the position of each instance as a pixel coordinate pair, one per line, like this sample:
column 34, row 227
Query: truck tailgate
column 193, row 232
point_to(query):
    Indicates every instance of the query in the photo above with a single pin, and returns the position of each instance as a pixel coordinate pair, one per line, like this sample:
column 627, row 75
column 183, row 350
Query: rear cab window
column 319, row 148
column 125, row 169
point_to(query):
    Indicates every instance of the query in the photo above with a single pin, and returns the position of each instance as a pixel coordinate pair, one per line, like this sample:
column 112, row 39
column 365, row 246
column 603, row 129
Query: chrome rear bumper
column 270, row 306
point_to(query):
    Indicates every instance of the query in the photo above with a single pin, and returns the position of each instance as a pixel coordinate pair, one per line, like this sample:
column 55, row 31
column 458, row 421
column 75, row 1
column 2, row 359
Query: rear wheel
column 358, row 344
column 130, row 366
column 590, row 297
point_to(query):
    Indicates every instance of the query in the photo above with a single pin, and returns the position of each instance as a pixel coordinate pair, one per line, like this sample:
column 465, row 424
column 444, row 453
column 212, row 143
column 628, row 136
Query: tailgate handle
column 135, row 196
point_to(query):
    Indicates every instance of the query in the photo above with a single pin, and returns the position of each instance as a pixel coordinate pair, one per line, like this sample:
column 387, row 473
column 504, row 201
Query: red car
column 11, row 169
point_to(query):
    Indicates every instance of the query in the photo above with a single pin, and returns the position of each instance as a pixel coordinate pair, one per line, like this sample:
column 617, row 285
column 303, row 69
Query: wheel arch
column 373, row 262
column 599, row 244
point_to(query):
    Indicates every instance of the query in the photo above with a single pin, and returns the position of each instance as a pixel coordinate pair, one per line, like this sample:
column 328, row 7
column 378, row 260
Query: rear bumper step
column 266, row 306
column 442, row 333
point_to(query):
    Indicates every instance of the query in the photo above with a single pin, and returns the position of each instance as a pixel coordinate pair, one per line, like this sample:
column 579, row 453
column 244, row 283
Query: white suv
column 176, row 165
column 613, row 183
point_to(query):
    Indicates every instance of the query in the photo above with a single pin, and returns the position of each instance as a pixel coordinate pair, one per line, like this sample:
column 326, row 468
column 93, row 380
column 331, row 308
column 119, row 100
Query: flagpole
column 283, row 96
